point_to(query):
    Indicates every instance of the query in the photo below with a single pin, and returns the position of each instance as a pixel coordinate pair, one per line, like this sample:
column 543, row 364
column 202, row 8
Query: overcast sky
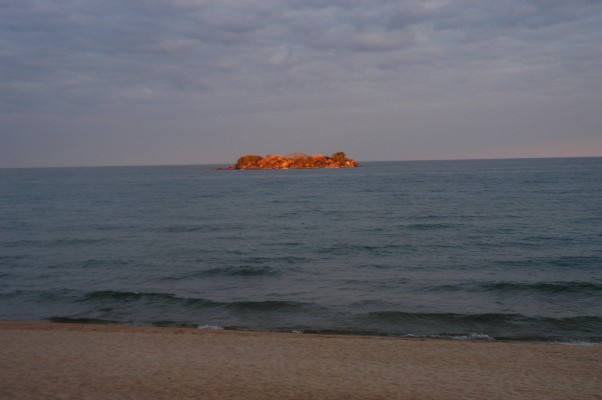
column 137, row 82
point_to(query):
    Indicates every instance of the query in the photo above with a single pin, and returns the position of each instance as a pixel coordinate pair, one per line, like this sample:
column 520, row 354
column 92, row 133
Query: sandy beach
column 69, row 361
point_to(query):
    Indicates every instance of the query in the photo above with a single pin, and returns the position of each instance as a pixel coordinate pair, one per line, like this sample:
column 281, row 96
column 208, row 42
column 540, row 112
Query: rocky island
column 293, row 161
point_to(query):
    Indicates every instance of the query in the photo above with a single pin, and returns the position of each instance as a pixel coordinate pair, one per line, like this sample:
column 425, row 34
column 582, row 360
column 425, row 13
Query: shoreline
column 479, row 337
column 57, row 360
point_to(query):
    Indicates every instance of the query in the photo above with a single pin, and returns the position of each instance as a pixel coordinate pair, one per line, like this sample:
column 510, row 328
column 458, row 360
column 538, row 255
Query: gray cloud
column 240, row 69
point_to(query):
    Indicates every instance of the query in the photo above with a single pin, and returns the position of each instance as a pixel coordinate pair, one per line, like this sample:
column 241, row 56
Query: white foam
column 210, row 327
column 578, row 343
column 473, row 336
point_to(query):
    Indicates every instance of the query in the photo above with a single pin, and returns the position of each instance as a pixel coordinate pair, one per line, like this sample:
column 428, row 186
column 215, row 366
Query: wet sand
column 69, row 361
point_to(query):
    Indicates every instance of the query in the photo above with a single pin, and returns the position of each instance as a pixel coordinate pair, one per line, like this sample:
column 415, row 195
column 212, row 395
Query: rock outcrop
column 293, row 161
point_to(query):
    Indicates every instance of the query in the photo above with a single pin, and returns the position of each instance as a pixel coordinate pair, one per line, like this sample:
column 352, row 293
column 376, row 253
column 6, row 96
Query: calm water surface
column 496, row 249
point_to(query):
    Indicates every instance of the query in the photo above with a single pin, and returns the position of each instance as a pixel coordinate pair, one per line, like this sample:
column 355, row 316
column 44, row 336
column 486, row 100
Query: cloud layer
column 201, row 81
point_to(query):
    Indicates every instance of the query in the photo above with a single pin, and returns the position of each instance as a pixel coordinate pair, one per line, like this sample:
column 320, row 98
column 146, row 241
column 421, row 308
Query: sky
column 147, row 82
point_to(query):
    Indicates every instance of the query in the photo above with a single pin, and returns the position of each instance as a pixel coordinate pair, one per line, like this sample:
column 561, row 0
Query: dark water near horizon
column 491, row 249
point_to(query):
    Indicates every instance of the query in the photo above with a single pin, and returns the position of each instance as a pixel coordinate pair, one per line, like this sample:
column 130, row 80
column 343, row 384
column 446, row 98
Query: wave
column 401, row 316
column 169, row 309
column 67, row 241
column 11, row 295
column 428, row 227
column 75, row 320
column 188, row 228
column 576, row 287
column 284, row 260
column 126, row 296
column 499, row 325
column 243, row 270
column 160, row 299
column 171, row 299
column 559, row 262
column 576, row 261
column 345, row 249
column 270, row 305
column 546, row 287
column 105, row 298
column 468, row 336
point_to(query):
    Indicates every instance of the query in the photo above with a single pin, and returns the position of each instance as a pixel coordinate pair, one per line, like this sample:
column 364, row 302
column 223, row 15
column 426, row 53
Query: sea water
column 489, row 249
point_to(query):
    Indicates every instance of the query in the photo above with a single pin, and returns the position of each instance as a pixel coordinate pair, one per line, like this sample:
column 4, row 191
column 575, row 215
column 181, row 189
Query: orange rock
column 293, row 161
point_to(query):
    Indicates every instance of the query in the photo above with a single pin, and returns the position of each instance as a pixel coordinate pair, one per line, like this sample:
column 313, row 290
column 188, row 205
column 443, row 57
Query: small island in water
column 293, row 161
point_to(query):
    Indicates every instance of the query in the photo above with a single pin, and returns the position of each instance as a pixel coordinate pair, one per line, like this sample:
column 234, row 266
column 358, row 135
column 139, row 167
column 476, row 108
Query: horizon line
column 360, row 161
